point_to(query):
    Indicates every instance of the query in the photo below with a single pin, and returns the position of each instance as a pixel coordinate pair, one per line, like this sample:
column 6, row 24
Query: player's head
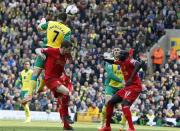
column 66, row 47
column 67, row 71
column 63, row 17
column 26, row 64
column 123, row 54
column 116, row 51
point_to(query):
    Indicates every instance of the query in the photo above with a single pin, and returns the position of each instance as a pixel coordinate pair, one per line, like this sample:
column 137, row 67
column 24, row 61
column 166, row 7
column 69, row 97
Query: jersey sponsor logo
column 118, row 67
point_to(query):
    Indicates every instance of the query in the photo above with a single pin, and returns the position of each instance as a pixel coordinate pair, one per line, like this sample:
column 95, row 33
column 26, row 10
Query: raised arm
column 40, row 52
column 43, row 25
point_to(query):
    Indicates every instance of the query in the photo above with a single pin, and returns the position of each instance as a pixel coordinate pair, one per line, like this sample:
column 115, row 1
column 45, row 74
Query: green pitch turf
column 6, row 125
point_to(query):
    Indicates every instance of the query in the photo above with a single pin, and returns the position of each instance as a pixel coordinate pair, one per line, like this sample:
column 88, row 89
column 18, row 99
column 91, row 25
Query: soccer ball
column 72, row 10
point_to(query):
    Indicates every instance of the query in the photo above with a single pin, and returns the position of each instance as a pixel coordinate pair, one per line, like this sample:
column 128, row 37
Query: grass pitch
column 7, row 125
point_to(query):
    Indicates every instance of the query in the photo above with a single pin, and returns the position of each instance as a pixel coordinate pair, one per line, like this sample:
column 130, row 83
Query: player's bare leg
column 62, row 89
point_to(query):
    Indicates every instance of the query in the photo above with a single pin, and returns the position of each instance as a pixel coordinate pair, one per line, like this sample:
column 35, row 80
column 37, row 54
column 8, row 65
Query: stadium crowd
column 97, row 28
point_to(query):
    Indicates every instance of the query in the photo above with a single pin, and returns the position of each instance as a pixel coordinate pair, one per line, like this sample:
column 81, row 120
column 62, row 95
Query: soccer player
column 129, row 93
column 24, row 81
column 63, row 101
column 113, row 83
column 54, row 68
column 56, row 32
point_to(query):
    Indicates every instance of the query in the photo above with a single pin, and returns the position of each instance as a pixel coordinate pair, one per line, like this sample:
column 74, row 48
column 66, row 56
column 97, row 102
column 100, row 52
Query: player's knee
column 62, row 89
column 114, row 100
column 66, row 92
column 107, row 99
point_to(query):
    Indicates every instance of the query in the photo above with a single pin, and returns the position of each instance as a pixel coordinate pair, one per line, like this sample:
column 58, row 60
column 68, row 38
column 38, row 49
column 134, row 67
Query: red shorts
column 130, row 93
column 52, row 84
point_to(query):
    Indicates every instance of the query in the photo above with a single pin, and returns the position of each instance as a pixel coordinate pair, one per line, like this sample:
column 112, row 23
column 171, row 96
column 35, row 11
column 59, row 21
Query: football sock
column 64, row 109
column 65, row 101
column 60, row 109
column 27, row 111
column 109, row 109
column 127, row 114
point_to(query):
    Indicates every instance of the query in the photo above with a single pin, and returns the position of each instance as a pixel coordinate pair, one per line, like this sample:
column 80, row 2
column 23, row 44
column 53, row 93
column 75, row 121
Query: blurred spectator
column 150, row 116
column 93, row 111
column 159, row 119
column 173, row 56
column 72, row 107
column 49, row 108
column 8, row 105
column 143, row 119
column 157, row 58
column 117, row 116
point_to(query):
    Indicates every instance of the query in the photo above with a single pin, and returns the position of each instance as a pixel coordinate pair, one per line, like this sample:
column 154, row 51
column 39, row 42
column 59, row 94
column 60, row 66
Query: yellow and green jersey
column 114, row 76
column 56, row 33
column 24, row 80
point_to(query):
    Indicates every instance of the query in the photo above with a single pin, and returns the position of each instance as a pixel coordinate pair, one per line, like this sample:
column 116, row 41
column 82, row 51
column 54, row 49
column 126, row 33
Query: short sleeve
column 67, row 36
column 49, row 51
column 44, row 26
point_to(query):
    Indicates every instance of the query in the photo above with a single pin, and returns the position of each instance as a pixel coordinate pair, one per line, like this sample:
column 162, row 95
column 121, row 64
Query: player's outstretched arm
column 39, row 51
column 42, row 25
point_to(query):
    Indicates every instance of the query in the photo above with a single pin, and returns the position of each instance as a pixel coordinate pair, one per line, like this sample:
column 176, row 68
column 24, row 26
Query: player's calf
column 26, row 99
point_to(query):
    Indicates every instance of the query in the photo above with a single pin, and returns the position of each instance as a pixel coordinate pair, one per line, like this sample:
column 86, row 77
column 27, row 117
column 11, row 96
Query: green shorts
column 24, row 94
column 109, row 90
column 39, row 62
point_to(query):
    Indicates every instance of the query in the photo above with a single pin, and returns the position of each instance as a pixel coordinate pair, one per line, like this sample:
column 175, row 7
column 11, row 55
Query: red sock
column 66, row 124
column 128, row 116
column 60, row 108
column 63, row 112
column 65, row 101
column 109, row 110
column 64, row 109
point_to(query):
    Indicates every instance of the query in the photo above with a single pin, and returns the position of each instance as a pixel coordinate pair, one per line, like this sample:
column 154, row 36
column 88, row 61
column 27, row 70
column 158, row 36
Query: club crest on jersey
column 118, row 67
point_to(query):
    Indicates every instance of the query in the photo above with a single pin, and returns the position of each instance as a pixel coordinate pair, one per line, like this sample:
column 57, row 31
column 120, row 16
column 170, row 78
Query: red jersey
column 131, row 52
column 54, row 65
column 66, row 81
column 127, row 67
